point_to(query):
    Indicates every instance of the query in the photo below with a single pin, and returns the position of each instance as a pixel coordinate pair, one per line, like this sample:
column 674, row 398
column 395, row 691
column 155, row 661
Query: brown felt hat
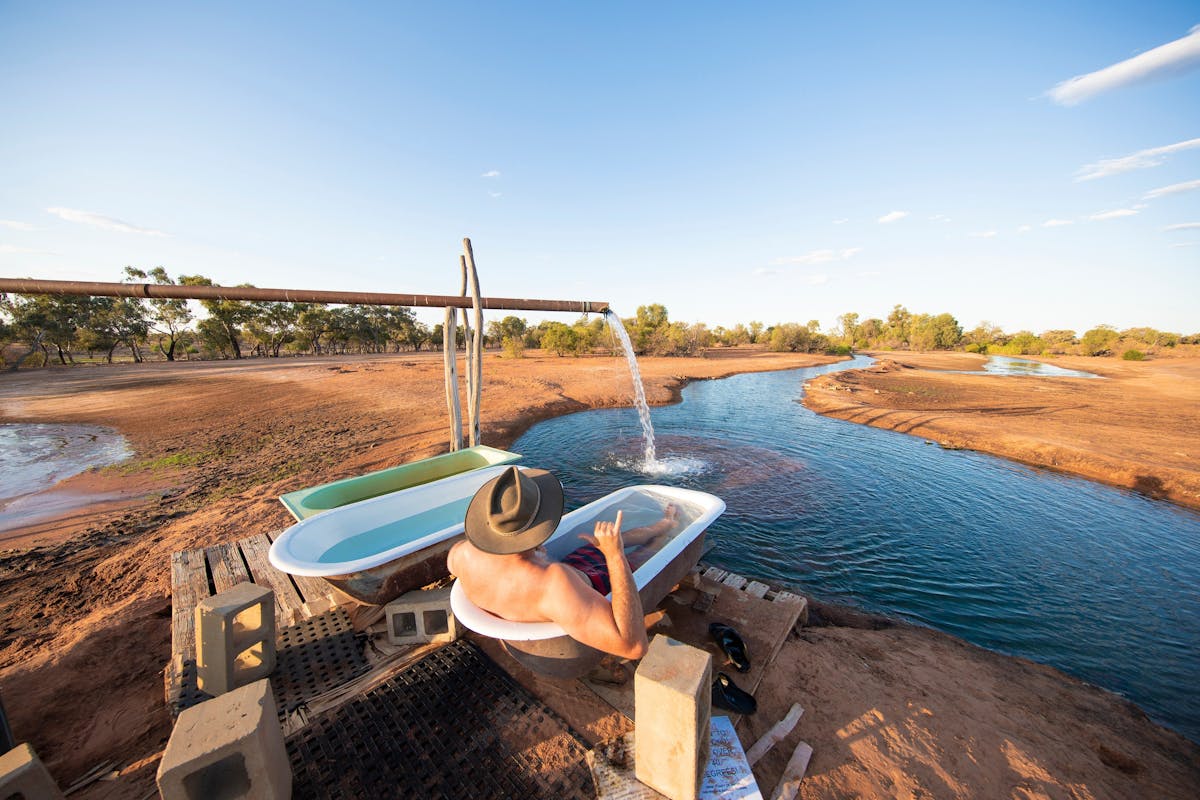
column 515, row 512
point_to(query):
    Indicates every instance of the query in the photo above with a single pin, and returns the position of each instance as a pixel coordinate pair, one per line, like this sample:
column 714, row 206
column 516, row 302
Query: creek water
column 1096, row 581
column 1007, row 365
column 34, row 457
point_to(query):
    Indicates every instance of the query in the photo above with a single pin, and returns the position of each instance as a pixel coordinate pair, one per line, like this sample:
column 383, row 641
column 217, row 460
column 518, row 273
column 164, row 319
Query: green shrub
column 514, row 346
column 1133, row 355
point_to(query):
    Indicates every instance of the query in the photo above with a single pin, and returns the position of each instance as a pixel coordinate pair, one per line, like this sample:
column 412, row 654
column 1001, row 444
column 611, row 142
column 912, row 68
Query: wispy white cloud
column 1185, row 244
column 1116, row 213
column 1174, row 188
column 939, row 218
column 101, row 221
column 1056, row 223
column 815, row 280
column 1183, row 226
column 870, row 274
column 819, row 256
column 893, row 216
column 1142, row 159
column 983, row 234
column 763, row 272
column 28, row 251
column 841, row 221
column 1025, row 229
column 1171, row 58
column 495, row 194
column 491, row 173
column 12, row 224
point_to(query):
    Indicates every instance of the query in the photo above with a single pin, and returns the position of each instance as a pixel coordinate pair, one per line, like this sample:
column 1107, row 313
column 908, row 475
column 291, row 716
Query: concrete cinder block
column 229, row 747
column 22, row 774
column 672, row 692
column 421, row 616
column 235, row 638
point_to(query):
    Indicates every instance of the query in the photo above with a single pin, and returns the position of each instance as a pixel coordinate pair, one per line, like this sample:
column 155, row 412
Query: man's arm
column 589, row 618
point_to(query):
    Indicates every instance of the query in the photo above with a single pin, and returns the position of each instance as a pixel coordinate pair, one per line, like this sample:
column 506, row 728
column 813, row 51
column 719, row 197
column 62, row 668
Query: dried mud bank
column 1137, row 429
column 86, row 601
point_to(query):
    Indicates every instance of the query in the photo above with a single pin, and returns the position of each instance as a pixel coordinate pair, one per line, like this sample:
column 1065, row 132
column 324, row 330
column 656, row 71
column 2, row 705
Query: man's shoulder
column 564, row 584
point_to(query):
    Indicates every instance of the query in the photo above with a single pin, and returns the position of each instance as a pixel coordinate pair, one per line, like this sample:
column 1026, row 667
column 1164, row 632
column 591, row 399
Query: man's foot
column 667, row 523
column 610, row 672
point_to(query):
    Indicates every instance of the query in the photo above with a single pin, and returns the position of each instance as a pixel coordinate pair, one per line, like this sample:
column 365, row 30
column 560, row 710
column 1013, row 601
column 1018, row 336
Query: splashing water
column 650, row 461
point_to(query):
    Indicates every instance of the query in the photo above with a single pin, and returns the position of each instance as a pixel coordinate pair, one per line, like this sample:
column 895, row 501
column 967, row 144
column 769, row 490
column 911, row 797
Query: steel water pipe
column 176, row 292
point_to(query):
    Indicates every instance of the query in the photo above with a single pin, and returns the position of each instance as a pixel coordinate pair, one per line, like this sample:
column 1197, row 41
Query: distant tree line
column 41, row 329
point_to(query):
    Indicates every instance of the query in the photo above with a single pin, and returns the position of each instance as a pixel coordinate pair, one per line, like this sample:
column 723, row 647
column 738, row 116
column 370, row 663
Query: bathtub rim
column 488, row 624
column 283, row 558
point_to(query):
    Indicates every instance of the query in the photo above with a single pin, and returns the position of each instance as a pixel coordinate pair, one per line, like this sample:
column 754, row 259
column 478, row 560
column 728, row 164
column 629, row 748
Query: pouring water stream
column 650, row 460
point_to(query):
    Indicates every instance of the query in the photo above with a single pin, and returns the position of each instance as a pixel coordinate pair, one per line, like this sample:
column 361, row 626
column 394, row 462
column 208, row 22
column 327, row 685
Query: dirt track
column 87, row 612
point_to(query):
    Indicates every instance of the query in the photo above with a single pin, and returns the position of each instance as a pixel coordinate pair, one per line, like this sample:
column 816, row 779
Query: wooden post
column 476, row 386
column 468, row 351
column 450, row 357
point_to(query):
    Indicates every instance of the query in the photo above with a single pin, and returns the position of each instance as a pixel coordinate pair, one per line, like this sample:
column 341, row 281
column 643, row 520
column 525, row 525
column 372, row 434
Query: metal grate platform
column 313, row 656
column 453, row 725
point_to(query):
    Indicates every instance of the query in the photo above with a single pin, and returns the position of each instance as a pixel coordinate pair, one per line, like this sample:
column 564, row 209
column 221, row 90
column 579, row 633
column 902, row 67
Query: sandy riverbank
column 87, row 611
column 1138, row 429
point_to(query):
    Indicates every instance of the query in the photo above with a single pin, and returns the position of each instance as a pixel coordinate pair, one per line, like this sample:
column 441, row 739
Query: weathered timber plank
column 225, row 562
column 287, row 599
column 734, row 580
column 311, row 589
column 756, row 589
column 189, row 585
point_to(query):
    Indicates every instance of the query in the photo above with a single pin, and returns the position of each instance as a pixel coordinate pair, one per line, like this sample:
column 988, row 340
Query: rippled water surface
column 1096, row 581
column 34, row 457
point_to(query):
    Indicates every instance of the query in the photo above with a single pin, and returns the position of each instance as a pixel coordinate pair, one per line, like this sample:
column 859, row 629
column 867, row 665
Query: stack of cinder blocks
column 673, row 700
column 420, row 617
column 232, row 745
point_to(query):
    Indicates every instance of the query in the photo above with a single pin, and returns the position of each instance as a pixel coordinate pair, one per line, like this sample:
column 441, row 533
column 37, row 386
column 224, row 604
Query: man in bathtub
column 504, row 569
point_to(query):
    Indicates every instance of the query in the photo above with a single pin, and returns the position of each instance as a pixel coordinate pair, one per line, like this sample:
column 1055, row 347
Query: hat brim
column 549, row 512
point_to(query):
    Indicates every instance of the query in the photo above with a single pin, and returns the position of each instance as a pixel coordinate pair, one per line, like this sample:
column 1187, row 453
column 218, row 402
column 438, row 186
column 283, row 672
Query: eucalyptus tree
column 28, row 320
column 274, row 324
column 115, row 321
column 313, row 325
column 225, row 316
column 168, row 318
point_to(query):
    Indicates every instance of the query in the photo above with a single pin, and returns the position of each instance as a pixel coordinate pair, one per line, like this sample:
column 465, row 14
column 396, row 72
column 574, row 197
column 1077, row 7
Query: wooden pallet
column 766, row 615
column 197, row 574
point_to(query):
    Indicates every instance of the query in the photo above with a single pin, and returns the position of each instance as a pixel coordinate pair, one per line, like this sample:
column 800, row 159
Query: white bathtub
column 377, row 549
column 545, row 646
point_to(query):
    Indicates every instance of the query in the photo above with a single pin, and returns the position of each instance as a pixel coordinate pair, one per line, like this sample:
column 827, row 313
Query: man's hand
column 607, row 538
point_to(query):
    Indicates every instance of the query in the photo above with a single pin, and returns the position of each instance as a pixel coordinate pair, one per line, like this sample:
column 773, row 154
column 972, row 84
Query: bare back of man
column 529, row 587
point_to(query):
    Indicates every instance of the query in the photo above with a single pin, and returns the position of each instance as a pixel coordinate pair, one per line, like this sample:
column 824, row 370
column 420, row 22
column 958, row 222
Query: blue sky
column 773, row 162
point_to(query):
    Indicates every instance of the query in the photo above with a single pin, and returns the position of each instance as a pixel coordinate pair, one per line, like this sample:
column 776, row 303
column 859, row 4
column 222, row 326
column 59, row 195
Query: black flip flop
column 726, row 695
column 731, row 645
